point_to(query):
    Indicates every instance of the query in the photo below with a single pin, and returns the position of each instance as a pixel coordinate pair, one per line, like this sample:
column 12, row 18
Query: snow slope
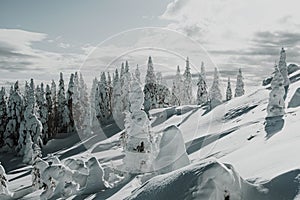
column 231, row 148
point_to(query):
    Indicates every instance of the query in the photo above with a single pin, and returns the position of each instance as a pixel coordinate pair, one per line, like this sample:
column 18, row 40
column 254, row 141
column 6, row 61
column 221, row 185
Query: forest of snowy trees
column 40, row 112
column 32, row 114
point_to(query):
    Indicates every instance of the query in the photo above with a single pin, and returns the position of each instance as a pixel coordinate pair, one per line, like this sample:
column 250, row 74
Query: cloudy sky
column 40, row 38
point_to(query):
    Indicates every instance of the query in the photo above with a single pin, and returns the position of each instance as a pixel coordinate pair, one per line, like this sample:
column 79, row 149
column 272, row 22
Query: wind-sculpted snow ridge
column 213, row 180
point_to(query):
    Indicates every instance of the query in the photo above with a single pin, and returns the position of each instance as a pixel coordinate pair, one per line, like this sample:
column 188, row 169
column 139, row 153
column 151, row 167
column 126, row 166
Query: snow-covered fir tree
column 125, row 79
column 53, row 123
column 283, row 69
column 80, row 102
column 62, row 114
column 150, row 88
column 70, row 120
column 215, row 92
column 117, row 107
column 51, row 114
column 109, row 81
column 94, row 120
column 239, row 89
column 202, row 94
column 31, row 127
column 26, row 92
column 174, row 100
column 150, row 75
column 177, row 88
column 110, row 91
column 85, row 104
column 3, row 114
column 228, row 90
column 4, row 191
column 203, row 73
column 43, row 113
column 122, row 71
column 15, row 110
column 163, row 96
column 276, row 104
column 102, row 101
column 77, row 109
column 38, row 99
column 137, row 74
column 187, row 97
column 139, row 151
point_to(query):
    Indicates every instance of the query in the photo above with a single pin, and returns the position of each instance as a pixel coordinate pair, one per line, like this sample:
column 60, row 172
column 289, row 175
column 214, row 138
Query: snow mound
column 210, row 181
column 172, row 153
column 95, row 180
column 213, row 180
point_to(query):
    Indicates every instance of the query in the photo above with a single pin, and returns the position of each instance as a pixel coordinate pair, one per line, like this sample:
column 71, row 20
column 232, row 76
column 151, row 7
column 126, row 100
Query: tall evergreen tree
column 283, row 70
column 70, row 120
column 125, row 79
column 31, row 127
column 3, row 115
column 15, row 110
column 150, row 75
column 187, row 82
column 117, row 106
column 85, row 104
column 26, row 93
column 51, row 115
column 150, row 88
column 102, row 101
column 54, row 122
column 178, row 87
column 239, row 90
column 203, row 73
column 276, row 104
column 77, row 109
column 122, row 71
column 202, row 94
column 43, row 113
column 175, row 100
column 61, row 105
column 138, row 74
column 215, row 92
column 228, row 90
column 94, row 120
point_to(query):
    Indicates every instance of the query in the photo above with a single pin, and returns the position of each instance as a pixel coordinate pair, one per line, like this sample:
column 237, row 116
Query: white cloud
column 233, row 26
column 22, row 59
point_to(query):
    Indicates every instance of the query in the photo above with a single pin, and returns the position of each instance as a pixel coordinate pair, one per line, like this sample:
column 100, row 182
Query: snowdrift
column 213, row 180
column 210, row 181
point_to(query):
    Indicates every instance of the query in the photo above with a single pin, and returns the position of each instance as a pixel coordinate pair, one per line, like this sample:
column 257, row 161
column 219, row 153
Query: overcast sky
column 40, row 38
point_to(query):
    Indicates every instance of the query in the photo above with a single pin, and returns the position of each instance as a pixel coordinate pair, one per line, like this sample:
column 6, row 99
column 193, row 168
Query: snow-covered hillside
column 233, row 151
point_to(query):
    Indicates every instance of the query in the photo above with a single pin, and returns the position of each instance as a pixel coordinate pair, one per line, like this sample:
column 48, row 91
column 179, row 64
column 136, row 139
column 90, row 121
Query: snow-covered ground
column 233, row 150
